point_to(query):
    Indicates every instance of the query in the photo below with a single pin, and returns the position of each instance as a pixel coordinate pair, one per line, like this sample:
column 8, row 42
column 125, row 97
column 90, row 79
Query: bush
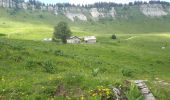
column 58, row 53
column 30, row 64
column 134, row 93
column 114, row 36
column 2, row 34
column 16, row 58
column 127, row 72
column 95, row 72
column 48, row 66
column 41, row 16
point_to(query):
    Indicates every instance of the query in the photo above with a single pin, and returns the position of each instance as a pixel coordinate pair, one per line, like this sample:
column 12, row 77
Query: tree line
column 37, row 4
column 97, row 5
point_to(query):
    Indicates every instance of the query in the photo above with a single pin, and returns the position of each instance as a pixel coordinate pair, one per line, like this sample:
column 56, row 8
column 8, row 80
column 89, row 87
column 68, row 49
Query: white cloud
column 93, row 1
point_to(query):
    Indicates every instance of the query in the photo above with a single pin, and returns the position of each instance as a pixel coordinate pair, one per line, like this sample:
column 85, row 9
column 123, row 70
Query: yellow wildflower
column 51, row 98
column 50, row 78
column 82, row 97
column 3, row 79
column 94, row 94
column 68, row 98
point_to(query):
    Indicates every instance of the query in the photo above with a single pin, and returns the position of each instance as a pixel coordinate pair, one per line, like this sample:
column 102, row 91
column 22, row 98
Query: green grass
column 32, row 69
column 24, row 64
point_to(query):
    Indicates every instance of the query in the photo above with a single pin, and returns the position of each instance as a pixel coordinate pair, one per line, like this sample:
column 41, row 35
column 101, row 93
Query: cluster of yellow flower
column 3, row 79
column 68, row 98
column 82, row 97
column 102, row 91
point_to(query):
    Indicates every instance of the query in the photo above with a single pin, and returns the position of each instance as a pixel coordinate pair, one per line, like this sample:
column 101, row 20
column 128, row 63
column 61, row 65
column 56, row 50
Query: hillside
column 36, row 70
column 128, row 19
column 30, row 69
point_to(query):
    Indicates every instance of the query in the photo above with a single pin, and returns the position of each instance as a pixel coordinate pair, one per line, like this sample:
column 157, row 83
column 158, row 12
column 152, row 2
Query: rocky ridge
column 154, row 10
column 84, row 13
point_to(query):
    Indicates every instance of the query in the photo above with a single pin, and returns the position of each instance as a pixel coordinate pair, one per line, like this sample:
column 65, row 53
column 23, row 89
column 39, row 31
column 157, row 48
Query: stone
column 138, row 81
column 153, row 10
column 72, row 16
column 145, row 91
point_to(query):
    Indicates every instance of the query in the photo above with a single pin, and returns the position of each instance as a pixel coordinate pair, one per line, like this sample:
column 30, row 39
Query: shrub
column 2, row 34
column 127, row 72
column 30, row 64
column 95, row 72
column 48, row 66
column 17, row 47
column 114, row 36
column 134, row 93
column 16, row 58
column 159, row 62
column 58, row 53
column 41, row 16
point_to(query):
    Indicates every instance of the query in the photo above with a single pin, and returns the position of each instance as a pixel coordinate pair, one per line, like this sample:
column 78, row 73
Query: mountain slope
column 128, row 20
column 33, row 69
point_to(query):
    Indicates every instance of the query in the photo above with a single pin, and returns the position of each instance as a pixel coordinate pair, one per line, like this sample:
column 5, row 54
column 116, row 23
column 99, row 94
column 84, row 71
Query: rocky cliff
column 154, row 10
column 94, row 13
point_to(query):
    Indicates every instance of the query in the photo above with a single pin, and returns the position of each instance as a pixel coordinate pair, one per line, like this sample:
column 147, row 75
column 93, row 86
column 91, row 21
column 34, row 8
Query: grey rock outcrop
column 153, row 10
column 102, row 13
column 144, row 90
column 72, row 16
column 113, row 12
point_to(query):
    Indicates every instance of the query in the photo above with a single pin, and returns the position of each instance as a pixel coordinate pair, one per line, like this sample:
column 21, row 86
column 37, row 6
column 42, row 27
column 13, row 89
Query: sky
column 91, row 1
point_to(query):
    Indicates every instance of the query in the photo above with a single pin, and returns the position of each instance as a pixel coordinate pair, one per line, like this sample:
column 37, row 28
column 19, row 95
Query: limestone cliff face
column 168, row 9
column 102, row 13
column 74, row 13
column 112, row 12
column 154, row 10
column 94, row 13
column 73, row 16
column 85, row 13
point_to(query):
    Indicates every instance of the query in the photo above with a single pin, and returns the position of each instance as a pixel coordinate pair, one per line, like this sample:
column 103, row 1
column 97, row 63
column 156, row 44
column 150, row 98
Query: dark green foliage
column 114, row 36
column 16, row 58
column 12, row 12
column 58, row 53
column 95, row 72
column 159, row 62
column 30, row 64
column 17, row 47
column 127, row 72
column 134, row 93
column 2, row 34
column 41, row 16
column 48, row 66
column 62, row 31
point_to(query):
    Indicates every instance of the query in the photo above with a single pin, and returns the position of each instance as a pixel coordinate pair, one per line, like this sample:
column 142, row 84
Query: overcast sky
column 91, row 1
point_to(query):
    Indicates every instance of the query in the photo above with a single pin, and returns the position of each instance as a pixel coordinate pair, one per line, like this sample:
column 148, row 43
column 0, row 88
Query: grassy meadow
column 33, row 69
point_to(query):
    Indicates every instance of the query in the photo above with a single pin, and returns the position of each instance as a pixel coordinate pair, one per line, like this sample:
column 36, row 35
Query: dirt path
column 132, row 37
column 162, row 83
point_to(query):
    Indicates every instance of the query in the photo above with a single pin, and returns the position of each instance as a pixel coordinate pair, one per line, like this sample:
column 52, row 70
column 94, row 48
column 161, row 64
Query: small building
column 74, row 40
column 47, row 39
column 90, row 39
